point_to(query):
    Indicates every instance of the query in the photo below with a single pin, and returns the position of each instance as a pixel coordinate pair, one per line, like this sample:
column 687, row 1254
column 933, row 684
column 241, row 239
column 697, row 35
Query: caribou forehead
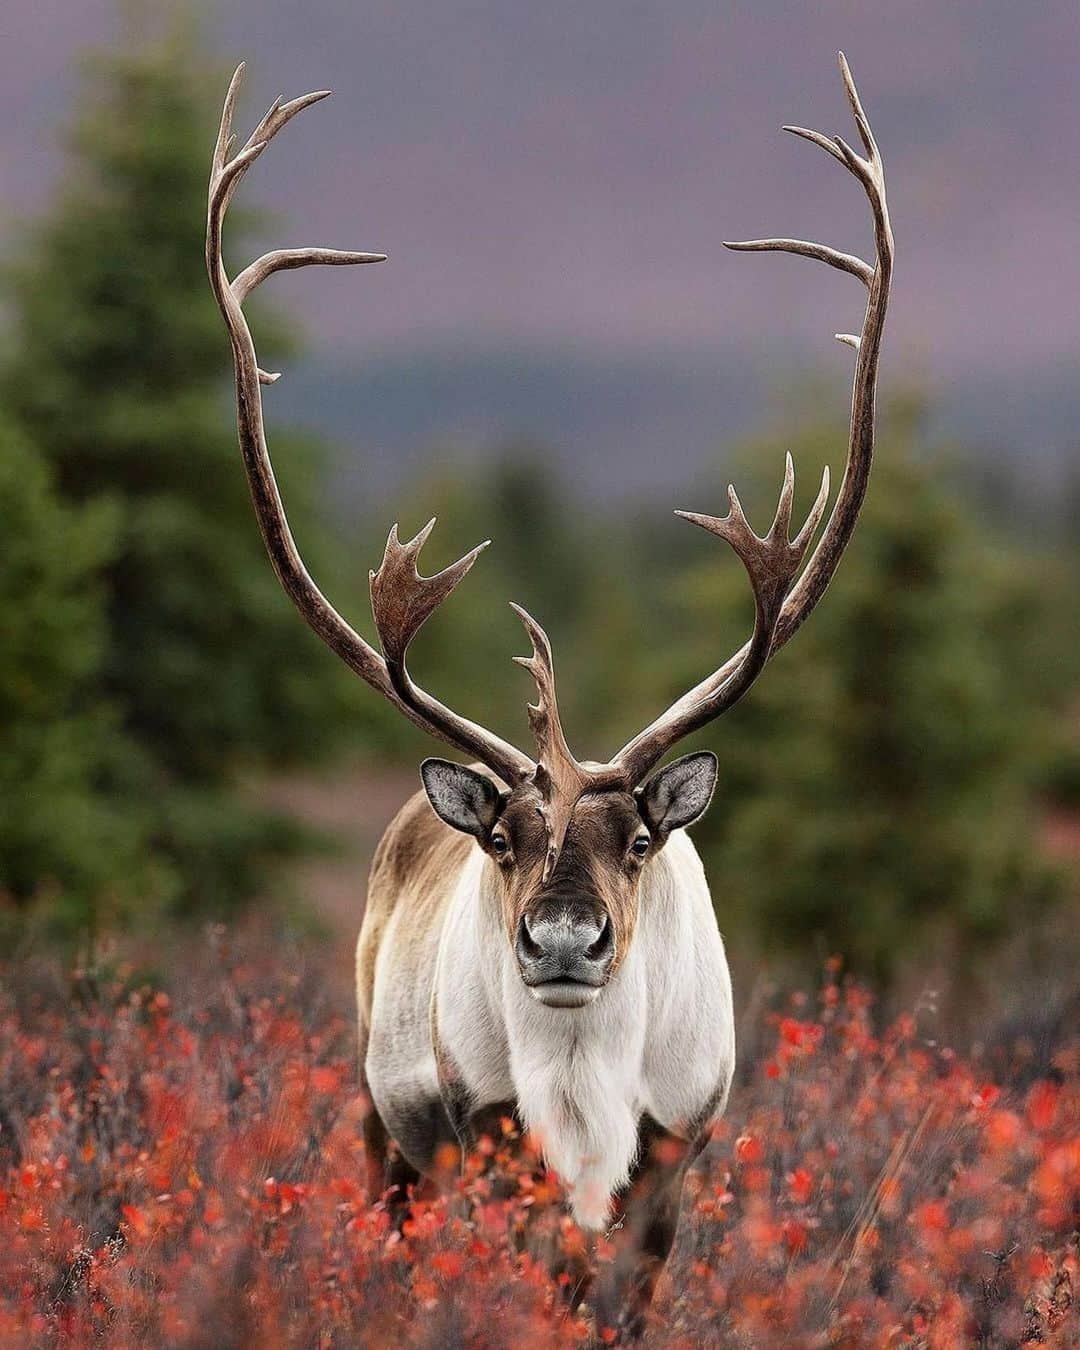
column 591, row 868
column 601, row 826
column 597, row 828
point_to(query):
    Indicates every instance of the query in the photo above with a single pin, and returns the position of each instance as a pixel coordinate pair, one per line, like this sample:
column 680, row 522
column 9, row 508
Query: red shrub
column 189, row 1172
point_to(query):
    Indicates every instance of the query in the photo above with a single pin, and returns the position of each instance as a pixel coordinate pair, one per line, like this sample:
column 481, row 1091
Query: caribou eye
column 640, row 846
column 499, row 845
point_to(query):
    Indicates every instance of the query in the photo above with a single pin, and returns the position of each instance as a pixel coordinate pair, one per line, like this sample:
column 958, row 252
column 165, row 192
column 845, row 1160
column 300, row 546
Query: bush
column 170, row 1164
column 64, row 840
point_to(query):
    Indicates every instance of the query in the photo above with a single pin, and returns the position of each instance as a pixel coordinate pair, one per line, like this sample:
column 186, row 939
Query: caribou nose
column 564, row 955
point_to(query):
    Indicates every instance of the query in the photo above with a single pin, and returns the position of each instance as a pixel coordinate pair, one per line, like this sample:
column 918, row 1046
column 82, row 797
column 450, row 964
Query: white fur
column 658, row 1039
column 400, row 1062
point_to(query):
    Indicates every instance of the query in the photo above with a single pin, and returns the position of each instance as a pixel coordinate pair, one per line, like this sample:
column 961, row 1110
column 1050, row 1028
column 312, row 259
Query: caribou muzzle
column 564, row 950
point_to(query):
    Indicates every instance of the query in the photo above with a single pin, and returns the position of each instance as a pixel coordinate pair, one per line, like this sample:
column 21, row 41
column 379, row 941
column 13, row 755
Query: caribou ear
column 464, row 799
column 679, row 793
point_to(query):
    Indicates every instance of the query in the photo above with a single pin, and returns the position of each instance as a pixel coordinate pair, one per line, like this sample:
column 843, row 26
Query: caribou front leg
column 644, row 1229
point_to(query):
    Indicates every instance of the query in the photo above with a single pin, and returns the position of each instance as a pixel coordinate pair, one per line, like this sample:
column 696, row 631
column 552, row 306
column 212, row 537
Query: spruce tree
column 118, row 370
column 65, row 839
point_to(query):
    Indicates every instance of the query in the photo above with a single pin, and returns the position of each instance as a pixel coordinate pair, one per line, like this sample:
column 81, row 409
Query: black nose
column 565, row 943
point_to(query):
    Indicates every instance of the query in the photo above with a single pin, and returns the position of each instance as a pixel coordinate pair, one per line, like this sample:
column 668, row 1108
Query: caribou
column 539, row 937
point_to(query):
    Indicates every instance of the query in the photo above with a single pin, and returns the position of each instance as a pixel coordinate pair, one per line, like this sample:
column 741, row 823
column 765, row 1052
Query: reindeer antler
column 772, row 563
column 560, row 777
column 782, row 603
column 401, row 598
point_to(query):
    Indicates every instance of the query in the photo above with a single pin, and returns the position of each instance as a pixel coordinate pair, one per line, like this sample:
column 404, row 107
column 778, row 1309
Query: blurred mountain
column 624, row 427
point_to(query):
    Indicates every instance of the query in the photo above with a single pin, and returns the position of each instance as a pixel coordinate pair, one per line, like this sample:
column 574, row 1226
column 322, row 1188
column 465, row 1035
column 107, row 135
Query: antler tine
column 278, row 114
column 813, row 520
column 401, row 598
column 816, row 138
column 559, row 777
column 782, row 602
column 225, row 137
column 782, row 519
column 551, row 745
column 843, row 262
column 285, row 259
column 861, row 119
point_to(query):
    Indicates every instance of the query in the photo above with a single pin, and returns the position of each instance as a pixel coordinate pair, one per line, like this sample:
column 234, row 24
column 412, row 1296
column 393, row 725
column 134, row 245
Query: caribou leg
column 644, row 1230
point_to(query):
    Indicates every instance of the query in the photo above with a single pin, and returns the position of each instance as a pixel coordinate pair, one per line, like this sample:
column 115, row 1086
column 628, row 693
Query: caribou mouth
column 564, row 993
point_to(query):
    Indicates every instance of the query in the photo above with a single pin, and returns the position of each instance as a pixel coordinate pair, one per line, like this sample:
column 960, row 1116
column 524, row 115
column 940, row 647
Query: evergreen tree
column 64, row 840
column 117, row 371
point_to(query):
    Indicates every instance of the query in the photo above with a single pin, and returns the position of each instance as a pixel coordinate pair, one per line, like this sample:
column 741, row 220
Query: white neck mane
column 658, row 1039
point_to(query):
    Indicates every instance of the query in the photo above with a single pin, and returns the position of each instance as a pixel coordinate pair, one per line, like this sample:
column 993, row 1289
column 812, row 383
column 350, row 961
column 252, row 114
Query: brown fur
column 414, row 865
column 594, row 863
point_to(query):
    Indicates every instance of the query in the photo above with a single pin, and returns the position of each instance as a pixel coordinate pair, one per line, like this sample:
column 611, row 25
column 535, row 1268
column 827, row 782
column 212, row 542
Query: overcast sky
column 564, row 171
column 557, row 177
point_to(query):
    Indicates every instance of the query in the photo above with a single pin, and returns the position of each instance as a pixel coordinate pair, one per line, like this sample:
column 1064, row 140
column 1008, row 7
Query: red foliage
column 188, row 1171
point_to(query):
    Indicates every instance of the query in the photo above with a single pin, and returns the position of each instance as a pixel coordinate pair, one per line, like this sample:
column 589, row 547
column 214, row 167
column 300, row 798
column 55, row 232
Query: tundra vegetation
column 186, row 1169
